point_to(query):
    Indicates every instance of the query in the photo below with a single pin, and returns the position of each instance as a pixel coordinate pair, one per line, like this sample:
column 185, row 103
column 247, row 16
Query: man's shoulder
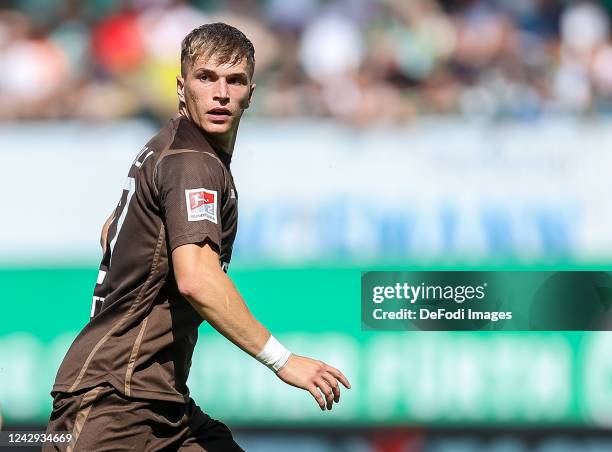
column 187, row 159
column 184, row 166
column 179, row 149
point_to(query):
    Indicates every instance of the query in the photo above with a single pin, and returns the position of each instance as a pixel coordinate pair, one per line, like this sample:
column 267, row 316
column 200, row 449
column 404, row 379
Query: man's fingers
column 320, row 379
column 333, row 383
column 317, row 396
column 339, row 375
column 326, row 390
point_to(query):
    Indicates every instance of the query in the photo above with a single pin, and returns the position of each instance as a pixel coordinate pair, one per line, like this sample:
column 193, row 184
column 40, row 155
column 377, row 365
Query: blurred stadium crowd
column 360, row 61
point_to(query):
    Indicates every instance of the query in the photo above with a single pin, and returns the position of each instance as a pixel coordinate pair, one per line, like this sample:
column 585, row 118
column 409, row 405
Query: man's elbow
column 193, row 284
column 188, row 286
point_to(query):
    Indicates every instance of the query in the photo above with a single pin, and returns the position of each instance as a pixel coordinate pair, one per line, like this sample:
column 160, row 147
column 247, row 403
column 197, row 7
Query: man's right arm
column 210, row 291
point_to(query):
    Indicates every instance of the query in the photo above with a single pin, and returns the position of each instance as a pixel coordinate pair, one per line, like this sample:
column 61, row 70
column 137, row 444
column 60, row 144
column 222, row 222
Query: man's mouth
column 219, row 111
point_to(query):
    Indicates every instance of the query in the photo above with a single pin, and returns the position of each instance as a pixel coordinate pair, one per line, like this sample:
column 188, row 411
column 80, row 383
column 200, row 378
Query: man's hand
column 314, row 376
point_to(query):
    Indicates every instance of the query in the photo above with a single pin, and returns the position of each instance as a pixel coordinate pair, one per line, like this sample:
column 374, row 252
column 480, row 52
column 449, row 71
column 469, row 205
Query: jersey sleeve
column 190, row 186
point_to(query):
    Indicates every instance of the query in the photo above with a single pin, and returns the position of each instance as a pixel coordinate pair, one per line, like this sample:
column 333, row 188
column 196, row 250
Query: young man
column 122, row 384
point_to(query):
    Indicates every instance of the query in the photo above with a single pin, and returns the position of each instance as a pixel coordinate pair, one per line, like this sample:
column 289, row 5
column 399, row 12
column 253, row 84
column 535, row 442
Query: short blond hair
column 224, row 43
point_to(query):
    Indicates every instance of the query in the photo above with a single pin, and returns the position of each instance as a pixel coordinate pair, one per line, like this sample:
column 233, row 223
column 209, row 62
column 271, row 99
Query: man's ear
column 180, row 88
column 251, row 91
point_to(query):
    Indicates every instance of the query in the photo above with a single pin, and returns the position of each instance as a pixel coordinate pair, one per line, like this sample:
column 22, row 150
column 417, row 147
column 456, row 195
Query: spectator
column 359, row 62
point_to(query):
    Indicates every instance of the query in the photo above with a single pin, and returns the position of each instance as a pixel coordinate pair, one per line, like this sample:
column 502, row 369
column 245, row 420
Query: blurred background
column 384, row 134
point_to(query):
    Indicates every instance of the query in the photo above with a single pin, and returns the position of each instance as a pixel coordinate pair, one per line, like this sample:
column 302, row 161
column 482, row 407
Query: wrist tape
column 273, row 355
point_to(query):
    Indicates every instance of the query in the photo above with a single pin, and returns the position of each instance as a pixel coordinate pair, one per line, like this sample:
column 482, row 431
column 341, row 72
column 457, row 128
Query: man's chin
column 212, row 128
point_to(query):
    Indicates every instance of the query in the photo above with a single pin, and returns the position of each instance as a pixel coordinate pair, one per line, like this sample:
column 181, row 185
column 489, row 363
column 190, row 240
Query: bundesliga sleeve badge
column 201, row 204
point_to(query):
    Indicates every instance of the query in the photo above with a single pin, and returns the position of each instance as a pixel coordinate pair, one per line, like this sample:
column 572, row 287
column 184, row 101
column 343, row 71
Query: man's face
column 215, row 95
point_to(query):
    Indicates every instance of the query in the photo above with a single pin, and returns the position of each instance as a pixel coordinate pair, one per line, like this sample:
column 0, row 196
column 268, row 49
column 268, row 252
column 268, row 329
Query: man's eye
column 204, row 77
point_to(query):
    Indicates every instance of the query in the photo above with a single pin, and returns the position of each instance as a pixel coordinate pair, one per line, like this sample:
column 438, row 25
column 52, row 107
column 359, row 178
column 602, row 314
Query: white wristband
column 273, row 355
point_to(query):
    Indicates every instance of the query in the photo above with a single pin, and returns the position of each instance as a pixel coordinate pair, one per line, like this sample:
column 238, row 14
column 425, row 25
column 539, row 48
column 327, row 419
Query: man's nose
column 221, row 91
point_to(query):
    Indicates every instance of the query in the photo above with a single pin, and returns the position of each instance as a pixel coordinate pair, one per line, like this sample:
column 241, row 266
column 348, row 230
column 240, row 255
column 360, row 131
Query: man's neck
column 220, row 143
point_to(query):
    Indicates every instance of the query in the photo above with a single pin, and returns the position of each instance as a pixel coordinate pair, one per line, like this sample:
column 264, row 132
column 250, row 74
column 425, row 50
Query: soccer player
column 122, row 384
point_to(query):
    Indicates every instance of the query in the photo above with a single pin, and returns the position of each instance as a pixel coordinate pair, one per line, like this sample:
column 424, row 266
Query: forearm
column 217, row 300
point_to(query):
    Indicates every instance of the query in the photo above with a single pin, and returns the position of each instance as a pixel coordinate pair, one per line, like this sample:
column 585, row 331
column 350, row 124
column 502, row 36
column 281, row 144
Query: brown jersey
column 142, row 332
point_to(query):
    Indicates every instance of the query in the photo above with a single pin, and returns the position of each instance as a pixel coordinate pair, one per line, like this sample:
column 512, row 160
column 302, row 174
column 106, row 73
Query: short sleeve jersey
column 142, row 332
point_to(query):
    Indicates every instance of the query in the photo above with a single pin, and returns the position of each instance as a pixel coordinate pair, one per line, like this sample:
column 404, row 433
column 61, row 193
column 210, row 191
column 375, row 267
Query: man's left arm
column 104, row 234
column 191, row 187
column 210, row 291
